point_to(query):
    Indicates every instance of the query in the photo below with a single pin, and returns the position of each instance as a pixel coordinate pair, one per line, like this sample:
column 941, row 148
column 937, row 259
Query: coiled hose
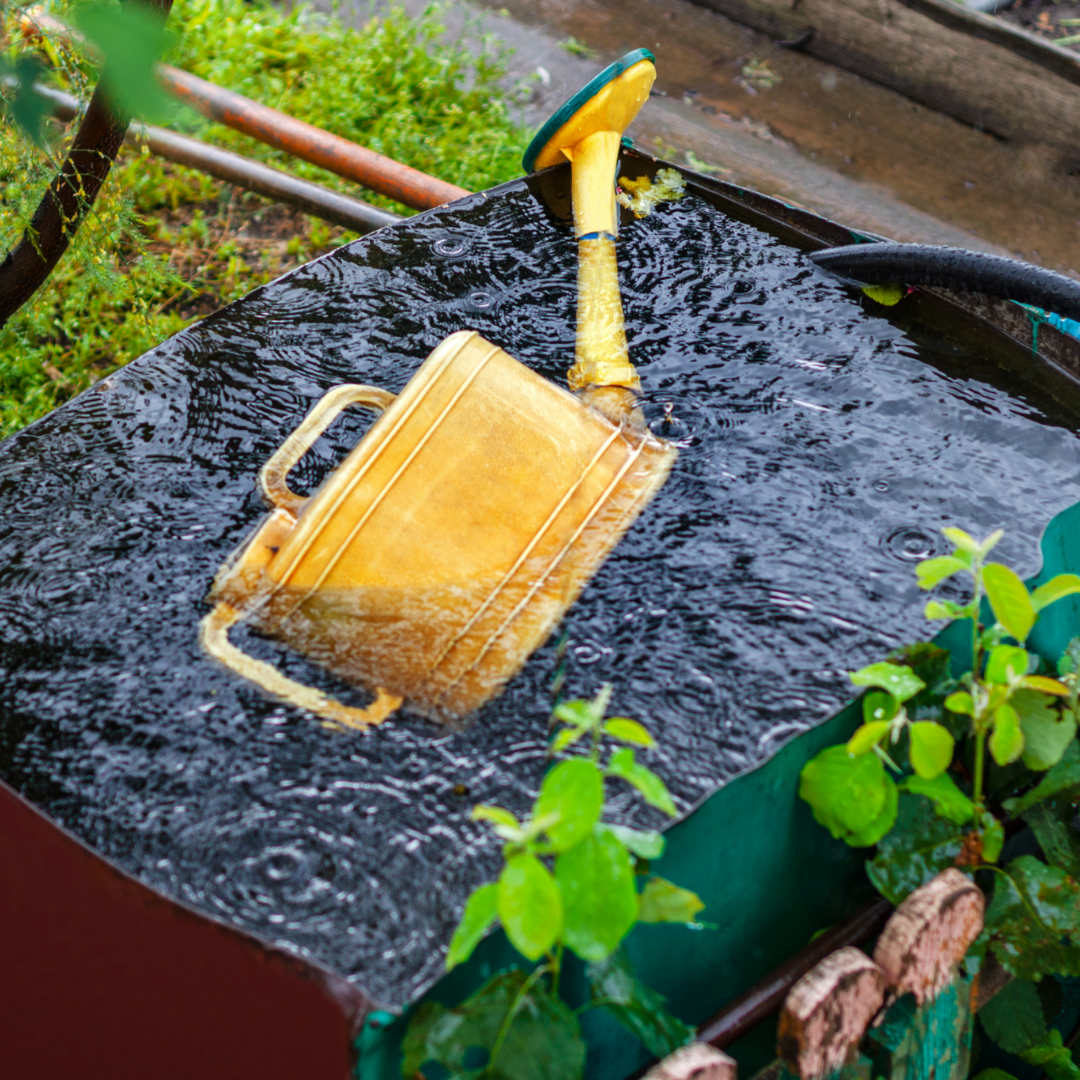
column 953, row 268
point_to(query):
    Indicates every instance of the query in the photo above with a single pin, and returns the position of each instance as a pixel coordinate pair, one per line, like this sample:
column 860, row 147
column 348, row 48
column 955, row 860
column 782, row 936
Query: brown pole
column 251, row 175
column 347, row 159
column 331, row 152
column 764, row 998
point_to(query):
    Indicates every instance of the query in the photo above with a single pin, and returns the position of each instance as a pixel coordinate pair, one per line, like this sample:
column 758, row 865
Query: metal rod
column 347, row 159
column 764, row 998
column 331, row 152
column 243, row 172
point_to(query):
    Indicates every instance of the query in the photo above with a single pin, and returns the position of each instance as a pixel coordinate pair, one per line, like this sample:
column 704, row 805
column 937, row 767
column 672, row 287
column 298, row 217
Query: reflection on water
column 821, row 450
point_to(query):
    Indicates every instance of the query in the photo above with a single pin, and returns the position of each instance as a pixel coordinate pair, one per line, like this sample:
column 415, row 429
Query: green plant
column 165, row 245
column 569, row 881
column 578, row 48
column 942, row 764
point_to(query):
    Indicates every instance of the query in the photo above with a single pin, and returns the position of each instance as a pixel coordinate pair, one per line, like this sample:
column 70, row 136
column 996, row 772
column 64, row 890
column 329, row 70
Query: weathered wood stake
column 698, row 1061
column 827, row 1012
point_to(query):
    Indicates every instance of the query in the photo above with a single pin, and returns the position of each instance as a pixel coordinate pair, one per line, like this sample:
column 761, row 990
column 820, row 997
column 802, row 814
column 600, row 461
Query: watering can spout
column 587, row 132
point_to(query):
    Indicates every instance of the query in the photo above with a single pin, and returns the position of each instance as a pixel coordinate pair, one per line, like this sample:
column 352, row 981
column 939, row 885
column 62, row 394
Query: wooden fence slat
column 928, row 935
column 698, row 1061
column 926, row 1032
column 827, row 1012
column 920, row 951
column 936, row 1044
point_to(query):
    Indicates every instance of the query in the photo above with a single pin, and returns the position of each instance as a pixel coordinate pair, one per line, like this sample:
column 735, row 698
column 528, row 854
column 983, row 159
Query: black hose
column 953, row 268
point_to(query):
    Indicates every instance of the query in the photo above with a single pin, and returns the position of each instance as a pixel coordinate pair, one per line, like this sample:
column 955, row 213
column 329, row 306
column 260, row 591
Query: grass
column 166, row 245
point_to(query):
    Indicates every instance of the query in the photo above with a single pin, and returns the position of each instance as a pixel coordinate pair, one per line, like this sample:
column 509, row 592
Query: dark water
column 822, row 450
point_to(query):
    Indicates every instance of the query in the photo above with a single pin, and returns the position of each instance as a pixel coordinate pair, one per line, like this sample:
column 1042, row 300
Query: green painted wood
column 927, row 1042
column 937, row 1042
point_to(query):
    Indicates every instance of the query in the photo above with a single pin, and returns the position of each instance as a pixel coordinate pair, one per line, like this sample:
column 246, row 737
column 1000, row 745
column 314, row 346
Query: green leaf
column 990, row 542
column 961, row 540
column 994, row 1074
column 932, row 664
column 1013, row 1017
column 1053, row 1057
column 1002, row 660
column 1062, row 781
column 946, row 609
column 663, row 902
column 566, row 737
column 949, row 801
column 900, row 681
column 878, row 705
column 960, row 702
column 1048, row 732
column 653, row 790
column 478, row 915
column 645, row 844
column 635, row 1007
column 495, row 814
column 1057, row 588
column 877, row 828
column 931, row 572
column 846, row 794
column 582, row 714
column 1033, row 922
column 1045, row 685
column 27, row 108
column 600, row 903
column 1069, row 664
column 993, row 837
column 626, row 730
column 920, row 845
column 529, row 905
column 132, row 40
column 543, row 1042
column 867, row 737
column 1007, row 740
column 1051, row 822
column 1009, row 599
column 889, row 295
column 573, row 794
column 931, row 749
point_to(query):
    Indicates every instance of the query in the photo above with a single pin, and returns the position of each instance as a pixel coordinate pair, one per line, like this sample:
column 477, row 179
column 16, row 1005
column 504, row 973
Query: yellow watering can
column 455, row 535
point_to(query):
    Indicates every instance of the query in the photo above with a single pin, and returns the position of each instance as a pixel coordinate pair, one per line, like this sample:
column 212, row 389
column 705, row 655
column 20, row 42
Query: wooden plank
column 978, row 69
column 827, row 1012
column 698, row 1061
column 926, row 1035
column 937, row 1045
column 928, row 935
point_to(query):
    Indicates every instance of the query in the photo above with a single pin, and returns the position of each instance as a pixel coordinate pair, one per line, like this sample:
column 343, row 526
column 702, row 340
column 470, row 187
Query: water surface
column 822, row 449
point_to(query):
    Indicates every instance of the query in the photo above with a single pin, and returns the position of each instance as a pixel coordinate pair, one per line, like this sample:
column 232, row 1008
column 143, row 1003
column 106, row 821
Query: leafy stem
column 977, row 786
column 511, row 1013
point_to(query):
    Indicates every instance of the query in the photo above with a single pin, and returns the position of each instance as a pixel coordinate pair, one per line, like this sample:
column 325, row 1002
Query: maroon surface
column 102, row 977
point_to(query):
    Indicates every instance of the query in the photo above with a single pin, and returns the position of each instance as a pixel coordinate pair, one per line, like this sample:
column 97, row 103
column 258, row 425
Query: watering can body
column 454, row 536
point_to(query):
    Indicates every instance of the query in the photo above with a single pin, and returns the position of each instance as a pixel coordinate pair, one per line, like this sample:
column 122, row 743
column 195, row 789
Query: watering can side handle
column 272, row 477
column 214, row 637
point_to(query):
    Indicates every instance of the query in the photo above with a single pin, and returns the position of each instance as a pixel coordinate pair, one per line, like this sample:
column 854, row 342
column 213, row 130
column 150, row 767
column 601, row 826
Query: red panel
column 102, row 977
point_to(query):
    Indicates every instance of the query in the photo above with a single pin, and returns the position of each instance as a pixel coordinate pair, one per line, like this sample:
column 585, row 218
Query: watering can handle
column 272, row 478
column 214, row 637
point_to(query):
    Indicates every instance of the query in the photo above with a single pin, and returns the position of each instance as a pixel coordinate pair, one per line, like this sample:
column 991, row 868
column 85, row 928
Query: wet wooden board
column 998, row 77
